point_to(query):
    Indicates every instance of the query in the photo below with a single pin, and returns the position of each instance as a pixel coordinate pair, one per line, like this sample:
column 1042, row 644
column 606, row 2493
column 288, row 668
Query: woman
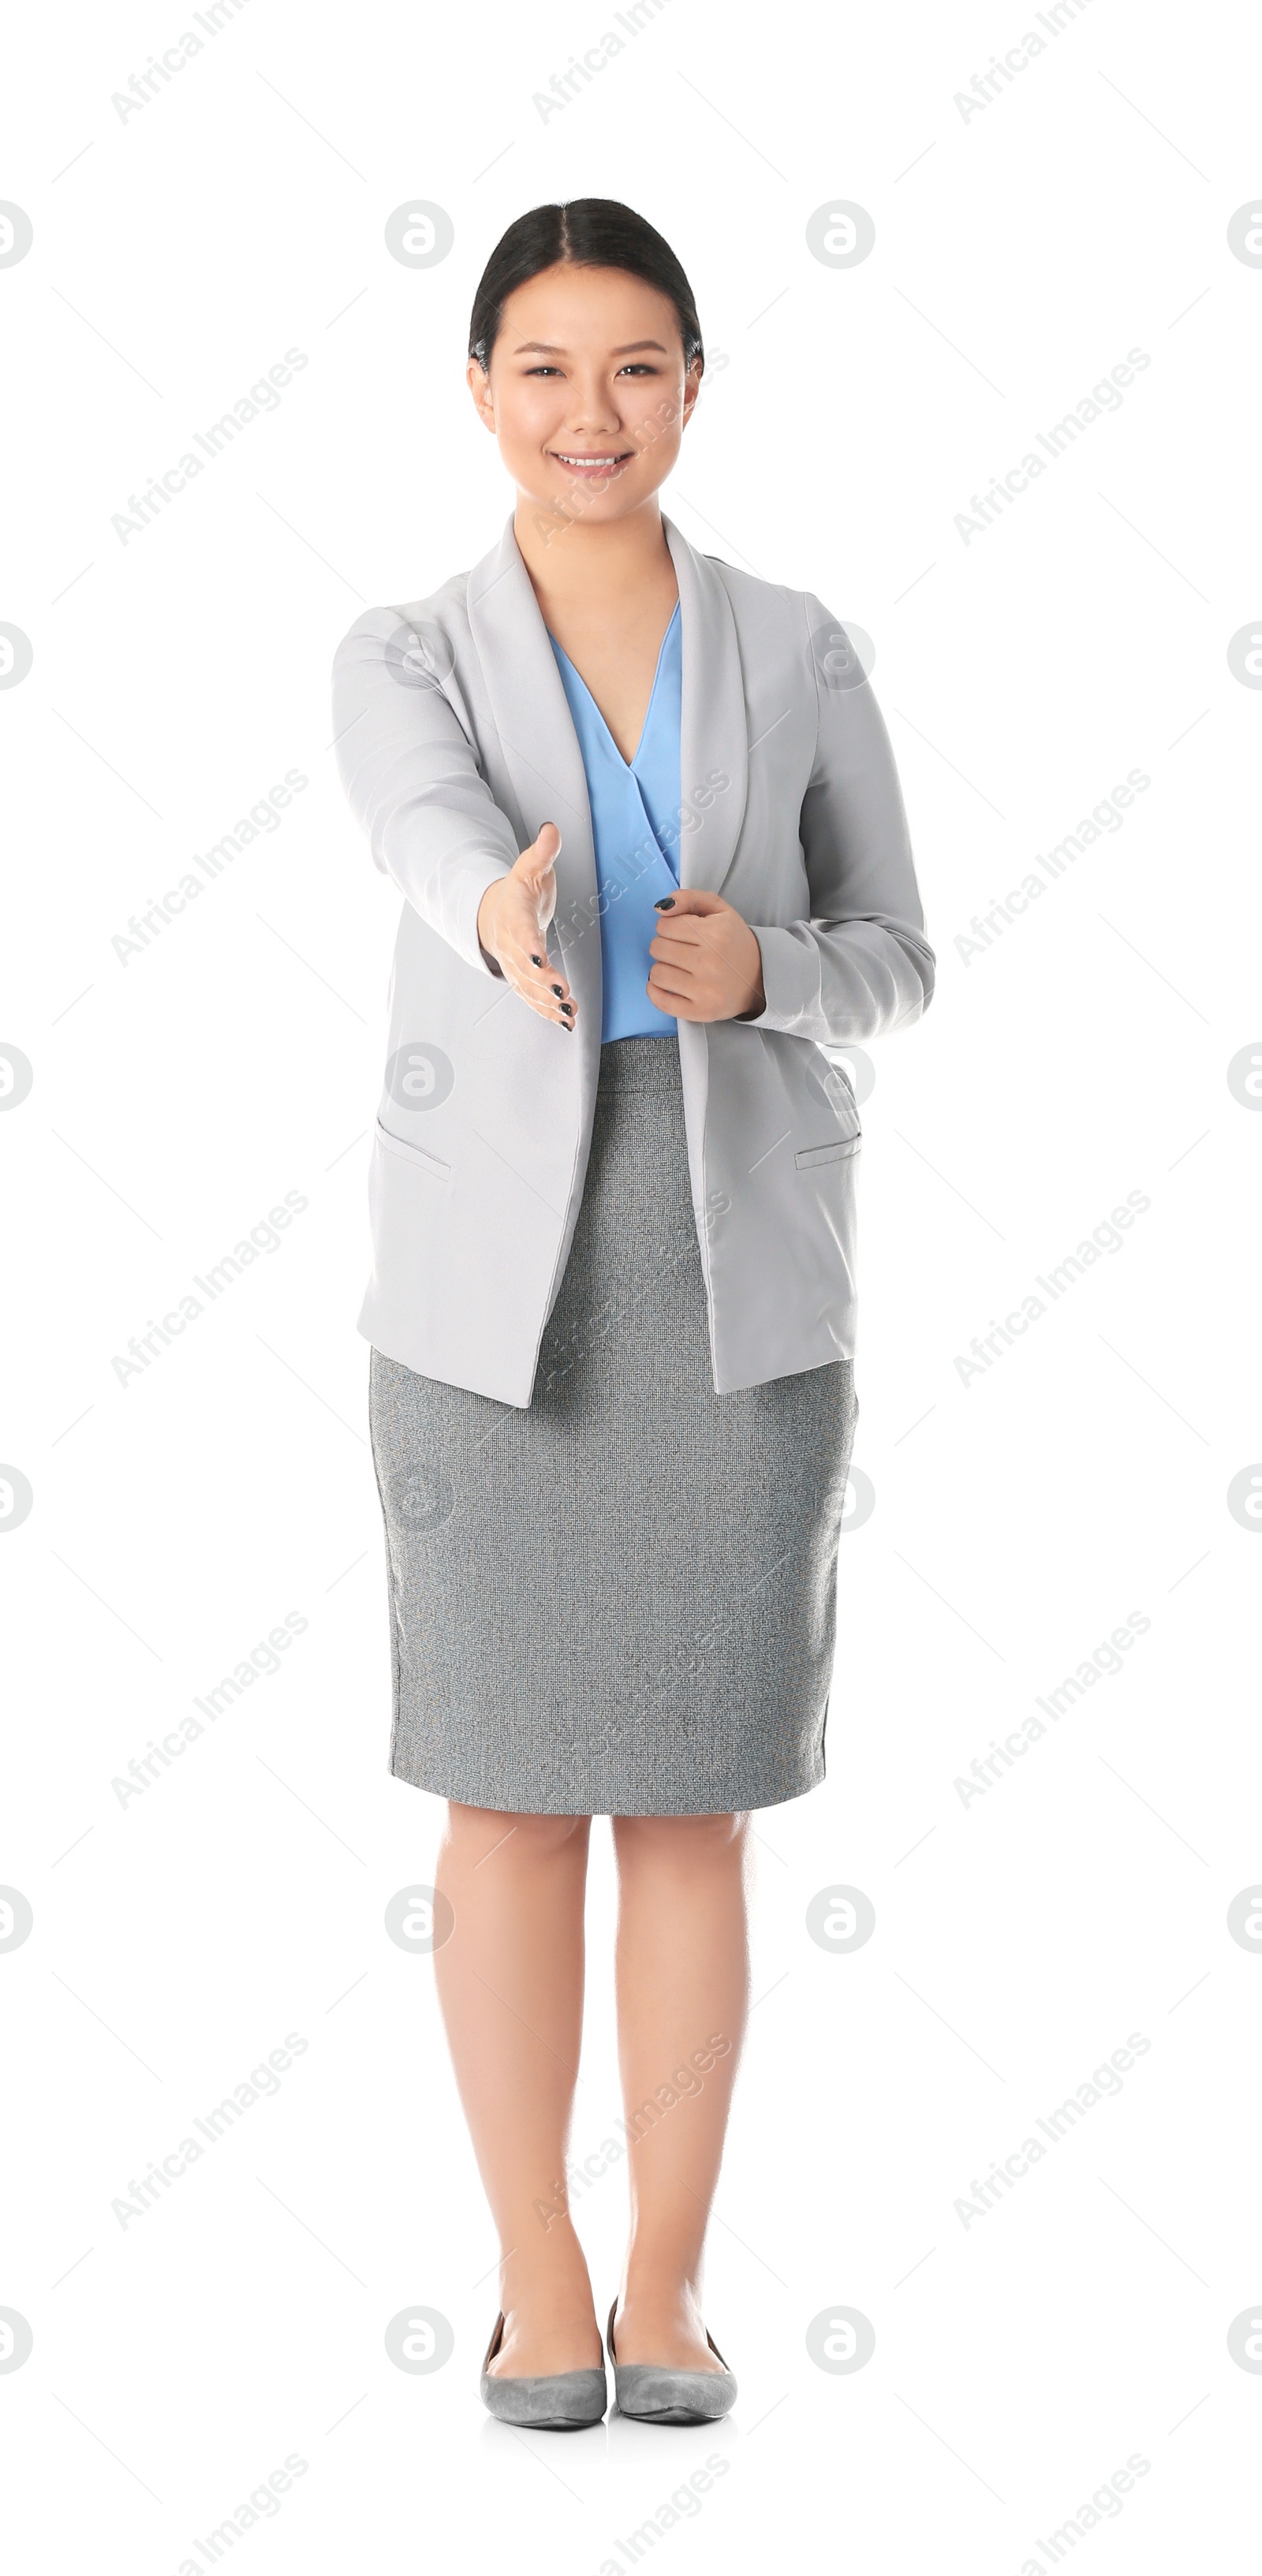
column 644, row 812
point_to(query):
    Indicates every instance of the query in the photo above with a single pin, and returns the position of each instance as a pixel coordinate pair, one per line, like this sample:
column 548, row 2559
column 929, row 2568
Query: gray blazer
column 456, row 745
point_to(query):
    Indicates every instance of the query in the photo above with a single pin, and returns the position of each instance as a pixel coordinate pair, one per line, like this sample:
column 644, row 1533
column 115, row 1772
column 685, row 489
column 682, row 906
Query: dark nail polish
column 663, row 903
column 557, row 990
column 567, row 1006
column 536, row 961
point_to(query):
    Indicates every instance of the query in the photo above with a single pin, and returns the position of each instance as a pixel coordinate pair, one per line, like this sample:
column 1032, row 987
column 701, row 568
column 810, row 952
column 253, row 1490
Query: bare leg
column 683, row 1998
column 510, row 1983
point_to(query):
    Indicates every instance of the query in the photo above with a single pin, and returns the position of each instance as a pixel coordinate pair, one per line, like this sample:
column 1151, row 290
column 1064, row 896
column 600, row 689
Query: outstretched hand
column 707, row 964
column 513, row 919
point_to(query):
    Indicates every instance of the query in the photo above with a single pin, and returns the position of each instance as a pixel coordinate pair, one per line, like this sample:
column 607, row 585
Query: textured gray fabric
column 620, row 1601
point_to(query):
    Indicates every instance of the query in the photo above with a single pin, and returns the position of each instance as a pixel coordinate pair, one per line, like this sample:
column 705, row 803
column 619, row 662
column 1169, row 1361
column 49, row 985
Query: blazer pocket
column 410, row 1153
column 839, row 1152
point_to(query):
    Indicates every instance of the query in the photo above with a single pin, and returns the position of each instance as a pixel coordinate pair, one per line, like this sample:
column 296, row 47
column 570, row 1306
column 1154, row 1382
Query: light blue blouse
column 635, row 828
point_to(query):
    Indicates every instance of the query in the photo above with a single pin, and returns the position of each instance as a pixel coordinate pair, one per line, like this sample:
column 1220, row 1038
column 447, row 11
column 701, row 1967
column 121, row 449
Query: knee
column 474, row 1833
column 683, row 1842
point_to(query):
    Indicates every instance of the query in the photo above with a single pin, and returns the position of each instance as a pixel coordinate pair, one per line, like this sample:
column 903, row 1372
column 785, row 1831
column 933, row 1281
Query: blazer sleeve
column 412, row 779
column 861, row 965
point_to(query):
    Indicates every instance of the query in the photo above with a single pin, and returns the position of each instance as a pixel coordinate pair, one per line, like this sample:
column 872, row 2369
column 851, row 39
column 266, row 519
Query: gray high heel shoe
column 567, row 2401
column 651, row 2393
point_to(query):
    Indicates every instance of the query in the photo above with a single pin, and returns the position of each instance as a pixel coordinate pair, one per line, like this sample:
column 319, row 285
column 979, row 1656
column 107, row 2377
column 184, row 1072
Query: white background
column 1019, row 1517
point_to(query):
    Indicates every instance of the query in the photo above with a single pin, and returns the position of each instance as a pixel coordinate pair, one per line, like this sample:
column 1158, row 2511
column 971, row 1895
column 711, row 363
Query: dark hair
column 589, row 232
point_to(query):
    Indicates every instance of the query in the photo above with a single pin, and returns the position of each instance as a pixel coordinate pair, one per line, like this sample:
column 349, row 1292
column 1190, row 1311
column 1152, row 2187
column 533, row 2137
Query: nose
column 593, row 409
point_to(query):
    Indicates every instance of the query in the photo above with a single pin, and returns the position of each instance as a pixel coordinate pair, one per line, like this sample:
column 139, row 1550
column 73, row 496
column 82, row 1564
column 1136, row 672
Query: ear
column 479, row 384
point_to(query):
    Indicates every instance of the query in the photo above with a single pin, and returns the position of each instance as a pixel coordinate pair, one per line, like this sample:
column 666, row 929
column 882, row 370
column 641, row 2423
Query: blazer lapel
column 540, row 747
column 713, row 733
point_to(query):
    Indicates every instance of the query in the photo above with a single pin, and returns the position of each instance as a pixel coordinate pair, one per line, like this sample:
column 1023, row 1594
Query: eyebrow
column 550, row 349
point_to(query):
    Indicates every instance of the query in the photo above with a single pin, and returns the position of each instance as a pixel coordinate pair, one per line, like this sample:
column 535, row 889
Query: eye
column 638, row 367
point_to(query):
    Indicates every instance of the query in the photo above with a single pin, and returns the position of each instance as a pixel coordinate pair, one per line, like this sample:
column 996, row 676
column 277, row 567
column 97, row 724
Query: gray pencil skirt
column 620, row 1600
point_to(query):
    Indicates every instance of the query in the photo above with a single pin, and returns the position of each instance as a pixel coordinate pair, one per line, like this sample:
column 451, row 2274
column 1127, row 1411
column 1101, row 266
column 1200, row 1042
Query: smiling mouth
column 591, row 464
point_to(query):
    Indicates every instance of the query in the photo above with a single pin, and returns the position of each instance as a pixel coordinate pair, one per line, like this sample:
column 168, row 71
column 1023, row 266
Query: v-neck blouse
column 635, row 809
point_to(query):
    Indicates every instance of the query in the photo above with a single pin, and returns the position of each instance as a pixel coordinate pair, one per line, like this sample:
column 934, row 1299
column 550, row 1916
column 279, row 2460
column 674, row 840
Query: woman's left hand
column 707, row 962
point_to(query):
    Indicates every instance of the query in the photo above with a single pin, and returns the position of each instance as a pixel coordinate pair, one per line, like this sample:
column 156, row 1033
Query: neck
column 571, row 561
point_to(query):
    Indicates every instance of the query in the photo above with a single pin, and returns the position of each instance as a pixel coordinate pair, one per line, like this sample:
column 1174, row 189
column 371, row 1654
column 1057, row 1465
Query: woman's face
column 587, row 392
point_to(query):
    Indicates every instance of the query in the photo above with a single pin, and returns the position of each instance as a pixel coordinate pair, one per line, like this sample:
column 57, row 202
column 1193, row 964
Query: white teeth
column 584, row 460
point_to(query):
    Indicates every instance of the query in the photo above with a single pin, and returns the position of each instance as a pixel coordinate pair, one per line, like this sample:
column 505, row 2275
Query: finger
column 543, row 985
column 542, row 852
column 666, row 983
column 690, row 899
column 679, row 1006
column 685, row 939
column 545, row 990
column 690, row 933
column 529, row 954
column 563, row 1015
